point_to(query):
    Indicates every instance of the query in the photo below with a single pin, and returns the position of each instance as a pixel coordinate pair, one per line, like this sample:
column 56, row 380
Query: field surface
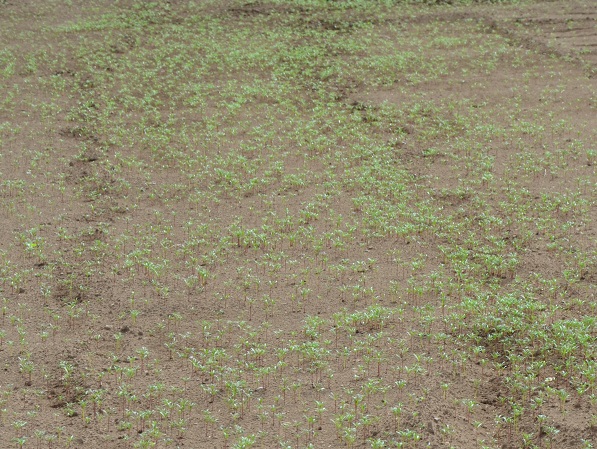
column 298, row 224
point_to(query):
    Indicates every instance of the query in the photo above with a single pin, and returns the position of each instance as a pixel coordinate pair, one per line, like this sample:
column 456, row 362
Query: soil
column 81, row 204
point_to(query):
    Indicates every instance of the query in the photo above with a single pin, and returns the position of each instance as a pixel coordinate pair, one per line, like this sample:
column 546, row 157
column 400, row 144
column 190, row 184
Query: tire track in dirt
column 564, row 29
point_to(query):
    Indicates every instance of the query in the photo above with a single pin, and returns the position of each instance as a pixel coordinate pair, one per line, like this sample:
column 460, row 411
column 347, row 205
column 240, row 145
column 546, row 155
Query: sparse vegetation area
column 296, row 224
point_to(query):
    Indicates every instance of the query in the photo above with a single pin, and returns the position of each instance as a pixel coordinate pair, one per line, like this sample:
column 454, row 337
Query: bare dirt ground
column 298, row 224
column 568, row 28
